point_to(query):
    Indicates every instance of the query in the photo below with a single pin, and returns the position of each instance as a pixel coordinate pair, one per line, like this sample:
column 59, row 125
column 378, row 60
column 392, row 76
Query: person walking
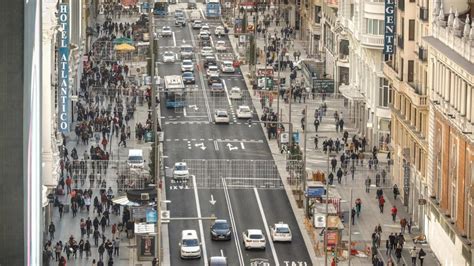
column 87, row 249
column 51, row 230
column 353, row 214
column 403, row 224
column 421, row 256
column 388, row 247
column 358, row 206
column 381, row 203
column 117, row 246
column 316, row 124
column 398, row 253
column 394, row 213
column 316, row 140
column 367, row 184
column 413, row 255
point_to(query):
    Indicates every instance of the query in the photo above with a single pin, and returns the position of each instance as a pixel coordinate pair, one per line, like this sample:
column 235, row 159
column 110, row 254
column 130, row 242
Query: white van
column 135, row 158
column 235, row 93
column 190, row 247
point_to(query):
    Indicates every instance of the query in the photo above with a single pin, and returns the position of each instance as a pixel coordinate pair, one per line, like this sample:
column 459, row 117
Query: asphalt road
column 230, row 164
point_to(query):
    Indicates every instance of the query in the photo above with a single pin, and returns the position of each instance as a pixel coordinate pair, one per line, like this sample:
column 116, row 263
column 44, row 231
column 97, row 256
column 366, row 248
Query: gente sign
column 389, row 35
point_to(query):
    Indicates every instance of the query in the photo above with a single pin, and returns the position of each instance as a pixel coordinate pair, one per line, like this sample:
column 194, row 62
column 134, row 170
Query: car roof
column 180, row 163
column 220, row 220
column 197, row 21
column 281, row 225
column 218, row 259
column 244, row 106
column 221, row 42
column 187, row 61
column 235, row 88
column 189, row 234
column 213, row 66
column 227, row 62
column 255, row 232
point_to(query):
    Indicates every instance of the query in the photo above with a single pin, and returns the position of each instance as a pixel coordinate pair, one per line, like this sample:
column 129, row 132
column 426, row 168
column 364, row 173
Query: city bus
column 175, row 92
column 213, row 8
column 160, row 8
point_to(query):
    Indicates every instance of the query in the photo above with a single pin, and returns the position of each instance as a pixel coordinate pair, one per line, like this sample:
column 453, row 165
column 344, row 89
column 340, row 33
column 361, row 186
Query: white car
column 166, row 31
column 219, row 31
column 197, row 24
column 169, row 57
column 180, row 171
column 205, row 27
column 204, row 35
column 281, row 232
column 220, row 46
column 254, row 238
column 221, row 116
column 235, row 93
column 187, row 65
column 190, row 247
column 207, row 51
column 212, row 71
column 227, row 67
column 244, row 112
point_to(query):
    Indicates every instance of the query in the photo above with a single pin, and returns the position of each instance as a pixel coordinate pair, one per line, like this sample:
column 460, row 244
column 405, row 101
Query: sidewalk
column 317, row 160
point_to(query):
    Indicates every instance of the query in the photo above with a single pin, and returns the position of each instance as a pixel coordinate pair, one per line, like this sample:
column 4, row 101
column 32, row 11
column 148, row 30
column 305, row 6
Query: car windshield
column 166, row 28
column 186, row 48
column 187, row 74
column 169, row 54
column 222, row 114
column 244, row 109
column 282, row 230
column 180, row 168
column 135, row 158
column 187, row 63
column 190, row 242
column 221, row 226
column 216, row 85
column 255, row 236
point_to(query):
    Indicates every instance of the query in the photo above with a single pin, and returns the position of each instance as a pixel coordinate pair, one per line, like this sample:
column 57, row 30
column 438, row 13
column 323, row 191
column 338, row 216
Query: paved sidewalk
column 317, row 160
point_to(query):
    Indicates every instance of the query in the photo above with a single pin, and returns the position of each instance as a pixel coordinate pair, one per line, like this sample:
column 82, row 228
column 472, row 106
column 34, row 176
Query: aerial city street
column 259, row 133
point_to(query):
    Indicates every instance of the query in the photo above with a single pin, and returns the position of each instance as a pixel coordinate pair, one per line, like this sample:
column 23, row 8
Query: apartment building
column 449, row 227
column 406, row 72
column 366, row 90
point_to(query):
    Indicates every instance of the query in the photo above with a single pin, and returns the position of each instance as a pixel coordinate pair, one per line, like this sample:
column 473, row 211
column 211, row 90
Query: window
column 317, row 14
column 411, row 70
column 411, row 30
column 374, row 26
column 383, row 92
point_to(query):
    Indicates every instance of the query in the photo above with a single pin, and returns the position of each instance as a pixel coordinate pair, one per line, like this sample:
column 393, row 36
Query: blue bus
column 175, row 92
column 213, row 8
column 160, row 8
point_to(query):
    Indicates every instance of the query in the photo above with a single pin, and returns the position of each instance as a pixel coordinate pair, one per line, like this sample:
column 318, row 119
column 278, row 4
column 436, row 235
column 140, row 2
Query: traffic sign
column 151, row 216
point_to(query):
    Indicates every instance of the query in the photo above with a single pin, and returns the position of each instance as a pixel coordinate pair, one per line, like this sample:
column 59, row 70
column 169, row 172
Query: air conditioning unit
column 145, row 196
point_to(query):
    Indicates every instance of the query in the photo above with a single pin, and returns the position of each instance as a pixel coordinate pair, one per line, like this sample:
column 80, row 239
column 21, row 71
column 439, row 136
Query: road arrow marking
column 212, row 201
column 201, row 145
column 231, row 148
column 194, row 106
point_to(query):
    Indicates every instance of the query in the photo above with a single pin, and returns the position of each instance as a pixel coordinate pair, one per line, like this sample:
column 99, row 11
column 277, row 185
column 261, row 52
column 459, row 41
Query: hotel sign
column 63, row 68
column 389, row 35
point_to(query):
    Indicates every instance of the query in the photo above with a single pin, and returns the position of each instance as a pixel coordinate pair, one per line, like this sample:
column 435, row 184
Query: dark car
column 180, row 21
column 213, row 79
column 221, row 230
column 188, row 77
column 210, row 61
column 217, row 88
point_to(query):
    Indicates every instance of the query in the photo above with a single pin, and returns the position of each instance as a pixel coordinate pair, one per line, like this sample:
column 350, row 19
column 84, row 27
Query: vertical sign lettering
column 63, row 75
column 389, row 36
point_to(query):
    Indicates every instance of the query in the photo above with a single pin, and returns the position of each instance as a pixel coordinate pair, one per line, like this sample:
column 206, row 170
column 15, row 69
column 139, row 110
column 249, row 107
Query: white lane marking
column 201, row 229
column 269, row 238
column 227, row 93
column 184, row 111
column 222, row 253
column 174, row 39
column 212, row 42
column 242, row 145
column 232, row 222
column 216, row 145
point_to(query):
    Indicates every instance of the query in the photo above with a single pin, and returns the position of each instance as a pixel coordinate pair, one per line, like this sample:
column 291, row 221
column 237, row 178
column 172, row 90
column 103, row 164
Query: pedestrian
column 316, row 124
column 51, row 230
column 358, row 204
column 403, row 224
column 398, row 253
column 154, row 262
column 421, row 256
column 87, row 249
column 117, row 246
column 388, row 247
column 409, row 225
column 101, row 252
column 103, row 223
column 339, row 175
column 82, row 226
column 57, row 250
column 413, row 255
column 395, row 191
column 316, row 142
column 384, row 176
column 367, row 184
column 394, row 213
column 81, row 248
column 390, row 262
column 62, row 261
column 302, row 123
column 353, row 214
column 381, row 203
column 96, row 237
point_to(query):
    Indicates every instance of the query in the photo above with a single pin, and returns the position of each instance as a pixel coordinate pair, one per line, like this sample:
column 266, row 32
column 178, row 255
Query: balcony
column 424, row 14
column 372, row 41
column 401, row 5
column 400, row 41
column 422, row 53
column 391, row 73
column 413, row 91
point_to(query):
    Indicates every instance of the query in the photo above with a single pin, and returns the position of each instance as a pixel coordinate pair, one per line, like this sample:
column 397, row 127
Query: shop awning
column 124, row 47
column 124, row 201
column 351, row 93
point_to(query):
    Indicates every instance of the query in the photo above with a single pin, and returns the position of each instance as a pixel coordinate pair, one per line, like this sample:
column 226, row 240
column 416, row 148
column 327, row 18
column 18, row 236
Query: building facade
column 449, row 227
column 366, row 91
column 406, row 72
